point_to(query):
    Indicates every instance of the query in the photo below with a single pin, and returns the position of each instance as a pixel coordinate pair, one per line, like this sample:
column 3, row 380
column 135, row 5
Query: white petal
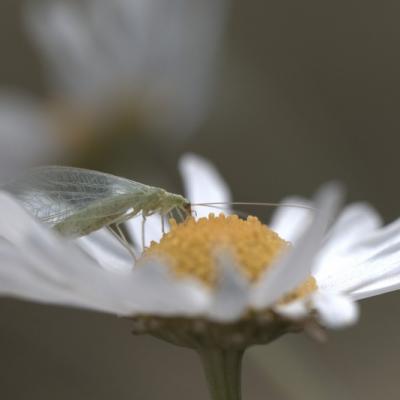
column 341, row 247
column 21, row 277
column 295, row 310
column 294, row 267
column 384, row 284
column 356, row 221
column 378, row 274
column 107, row 251
column 159, row 292
column 230, row 297
column 152, row 230
column 335, row 311
column 370, row 266
column 62, row 33
column 290, row 222
column 41, row 266
column 103, row 47
column 203, row 184
column 25, row 135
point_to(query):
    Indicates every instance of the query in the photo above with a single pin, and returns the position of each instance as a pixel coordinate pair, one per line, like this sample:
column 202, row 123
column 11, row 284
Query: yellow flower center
column 189, row 248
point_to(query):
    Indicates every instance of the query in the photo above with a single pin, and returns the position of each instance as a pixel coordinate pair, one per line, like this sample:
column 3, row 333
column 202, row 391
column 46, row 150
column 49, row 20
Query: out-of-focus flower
column 218, row 284
column 26, row 135
column 131, row 56
column 115, row 68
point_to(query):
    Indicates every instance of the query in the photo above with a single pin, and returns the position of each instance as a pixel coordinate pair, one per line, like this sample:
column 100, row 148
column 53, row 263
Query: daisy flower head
column 130, row 57
column 215, row 283
column 115, row 69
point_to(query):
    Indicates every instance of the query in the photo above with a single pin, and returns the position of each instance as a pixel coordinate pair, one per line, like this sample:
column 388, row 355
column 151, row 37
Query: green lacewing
column 76, row 201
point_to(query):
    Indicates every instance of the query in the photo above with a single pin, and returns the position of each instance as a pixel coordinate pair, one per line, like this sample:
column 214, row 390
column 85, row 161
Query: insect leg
column 181, row 214
column 143, row 230
column 162, row 224
column 121, row 233
column 122, row 239
column 125, row 217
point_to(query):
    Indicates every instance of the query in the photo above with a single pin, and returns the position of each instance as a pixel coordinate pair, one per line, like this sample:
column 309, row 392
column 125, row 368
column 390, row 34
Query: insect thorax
column 168, row 201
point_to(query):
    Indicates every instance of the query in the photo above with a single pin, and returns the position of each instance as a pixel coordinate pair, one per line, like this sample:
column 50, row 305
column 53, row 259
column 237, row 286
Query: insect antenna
column 257, row 204
column 238, row 212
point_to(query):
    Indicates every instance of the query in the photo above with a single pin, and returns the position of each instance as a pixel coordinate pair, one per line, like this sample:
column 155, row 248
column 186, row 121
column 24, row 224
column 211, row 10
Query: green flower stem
column 223, row 371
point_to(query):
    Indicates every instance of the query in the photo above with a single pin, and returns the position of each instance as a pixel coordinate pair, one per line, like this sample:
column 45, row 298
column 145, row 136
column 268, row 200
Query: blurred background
column 281, row 96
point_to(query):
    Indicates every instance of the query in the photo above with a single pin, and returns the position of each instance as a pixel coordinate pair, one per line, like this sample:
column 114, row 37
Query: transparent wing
column 75, row 198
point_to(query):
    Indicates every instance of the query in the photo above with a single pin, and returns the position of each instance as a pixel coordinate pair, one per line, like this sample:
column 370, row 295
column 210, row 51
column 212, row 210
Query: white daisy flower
column 25, row 134
column 217, row 284
column 149, row 54
column 114, row 66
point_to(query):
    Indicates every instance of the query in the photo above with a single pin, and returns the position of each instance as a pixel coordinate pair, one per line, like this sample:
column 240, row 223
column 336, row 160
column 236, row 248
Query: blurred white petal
column 334, row 311
column 294, row 267
column 203, row 184
column 152, row 230
column 290, row 222
column 61, row 31
column 162, row 53
column 371, row 266
column 376, row 274
column 25, row 134
column 47, row 268
column 230, row 297
column 383, row 284
column 341, row 248
column 40, row 266
column 295, row 310
column 106, row 250
column 157, row 291
column 21, row 277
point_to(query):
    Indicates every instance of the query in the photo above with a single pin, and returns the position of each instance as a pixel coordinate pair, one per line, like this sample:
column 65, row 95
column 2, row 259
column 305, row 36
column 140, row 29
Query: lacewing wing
column 77, row 201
